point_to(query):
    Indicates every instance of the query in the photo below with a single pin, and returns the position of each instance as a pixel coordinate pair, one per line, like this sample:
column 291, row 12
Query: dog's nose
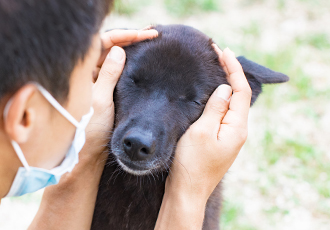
column 139, row 146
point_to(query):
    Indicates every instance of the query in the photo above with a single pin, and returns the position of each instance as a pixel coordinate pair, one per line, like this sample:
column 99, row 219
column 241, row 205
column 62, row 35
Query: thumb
column 216, row 108
column 109, row 74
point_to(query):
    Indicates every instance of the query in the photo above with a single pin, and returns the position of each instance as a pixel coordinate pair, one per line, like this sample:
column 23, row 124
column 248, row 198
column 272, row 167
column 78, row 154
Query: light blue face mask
column 30, row 179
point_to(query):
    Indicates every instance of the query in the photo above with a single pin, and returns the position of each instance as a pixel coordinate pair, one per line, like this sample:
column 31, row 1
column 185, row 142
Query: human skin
column 70, row 204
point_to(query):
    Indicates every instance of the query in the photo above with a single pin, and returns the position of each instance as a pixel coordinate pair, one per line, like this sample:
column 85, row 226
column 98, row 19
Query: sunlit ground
column 281, row 179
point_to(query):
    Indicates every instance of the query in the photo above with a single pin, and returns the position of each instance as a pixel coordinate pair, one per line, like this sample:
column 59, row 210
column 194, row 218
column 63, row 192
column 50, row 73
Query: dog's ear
column 257, row 75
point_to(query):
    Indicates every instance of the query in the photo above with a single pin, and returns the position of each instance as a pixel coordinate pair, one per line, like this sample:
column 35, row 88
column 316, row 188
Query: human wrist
column 192, row 182
column 181, row 209
column 186, row 199
column 76, row 189
column 181, row 187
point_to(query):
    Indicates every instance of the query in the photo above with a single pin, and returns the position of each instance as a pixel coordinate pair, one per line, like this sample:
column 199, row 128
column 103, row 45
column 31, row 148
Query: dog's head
column 163, row 90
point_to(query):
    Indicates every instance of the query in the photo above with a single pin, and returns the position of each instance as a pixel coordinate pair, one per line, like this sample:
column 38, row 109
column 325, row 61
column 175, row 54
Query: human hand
column 109, row 69
column 122, row 38
column 210, row 146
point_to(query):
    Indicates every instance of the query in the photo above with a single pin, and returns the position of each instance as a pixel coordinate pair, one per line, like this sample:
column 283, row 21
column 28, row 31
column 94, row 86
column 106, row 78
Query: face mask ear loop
column 20, row 155
column 57, row 105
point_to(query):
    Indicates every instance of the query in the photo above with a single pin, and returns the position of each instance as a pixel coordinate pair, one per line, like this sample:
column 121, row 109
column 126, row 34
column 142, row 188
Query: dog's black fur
column 162, row 91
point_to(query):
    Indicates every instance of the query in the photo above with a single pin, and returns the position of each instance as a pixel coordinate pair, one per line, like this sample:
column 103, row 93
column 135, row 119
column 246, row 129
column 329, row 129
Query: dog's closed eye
column 134, row 80
column 198, row 103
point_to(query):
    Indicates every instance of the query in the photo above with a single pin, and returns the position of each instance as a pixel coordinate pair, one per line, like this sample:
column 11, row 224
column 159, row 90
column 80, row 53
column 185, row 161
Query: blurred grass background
column 281, row 179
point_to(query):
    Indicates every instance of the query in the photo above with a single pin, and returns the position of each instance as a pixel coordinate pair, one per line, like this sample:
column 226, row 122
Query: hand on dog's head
column 163, row 90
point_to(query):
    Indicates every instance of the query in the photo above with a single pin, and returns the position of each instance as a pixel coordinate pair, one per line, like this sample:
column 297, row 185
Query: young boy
column 57, row 76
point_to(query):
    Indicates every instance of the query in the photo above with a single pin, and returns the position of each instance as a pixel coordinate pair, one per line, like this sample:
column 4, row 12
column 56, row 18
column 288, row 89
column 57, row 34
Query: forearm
column 181, row 210
column 70, row 204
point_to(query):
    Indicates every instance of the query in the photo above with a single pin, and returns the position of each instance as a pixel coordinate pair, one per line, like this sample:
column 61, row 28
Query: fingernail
column 232, row 52
column 147, row 27
column 227, row 50
column 153, row 33
column 224, row 91
column 116, row 54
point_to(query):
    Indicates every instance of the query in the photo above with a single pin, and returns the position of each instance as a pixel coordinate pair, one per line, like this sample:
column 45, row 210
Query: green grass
column 319, row 41
column 316, row 3
column 252, row 2
column 275, row 152
column 284, row 60
column 276, row 209
column 300, row 92
column 317, row 166
column 324, row 189
column 187, row 7
column 28, row 198
column 311, row 162
column 281, row 4
column 176, row 8
column 297, row 147
column 310, row 114
column 231, row 217
column 129, row 7
column 253, row 29
column 324, row 208
column 230, row 212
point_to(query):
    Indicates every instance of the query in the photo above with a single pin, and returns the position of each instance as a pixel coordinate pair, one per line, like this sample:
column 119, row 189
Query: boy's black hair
column 42, row 41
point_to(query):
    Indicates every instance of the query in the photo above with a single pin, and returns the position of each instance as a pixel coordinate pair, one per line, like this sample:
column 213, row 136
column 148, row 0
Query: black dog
column 162, row 91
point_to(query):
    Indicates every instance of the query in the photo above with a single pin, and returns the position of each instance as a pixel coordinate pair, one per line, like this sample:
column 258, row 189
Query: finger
column 220, row 54
column 148, row 27
column 241, row 99
column 127, row 37
column 109, row 74
column 102, row 57
column 215, row 109
column 123, row 38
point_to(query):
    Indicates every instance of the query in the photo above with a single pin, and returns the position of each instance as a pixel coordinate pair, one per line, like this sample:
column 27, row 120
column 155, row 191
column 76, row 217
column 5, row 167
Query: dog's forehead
column 180, row 62
column 167, row 59
column 181, row 32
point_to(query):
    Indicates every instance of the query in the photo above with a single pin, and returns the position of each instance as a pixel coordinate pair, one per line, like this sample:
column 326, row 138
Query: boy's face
column 77, row 104
column 47, row 134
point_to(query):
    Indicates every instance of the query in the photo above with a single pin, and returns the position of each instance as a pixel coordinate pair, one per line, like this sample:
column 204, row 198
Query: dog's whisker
column 112, row 175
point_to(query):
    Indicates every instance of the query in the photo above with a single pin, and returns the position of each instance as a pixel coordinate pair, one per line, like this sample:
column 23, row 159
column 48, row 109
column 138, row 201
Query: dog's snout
column 139, row 146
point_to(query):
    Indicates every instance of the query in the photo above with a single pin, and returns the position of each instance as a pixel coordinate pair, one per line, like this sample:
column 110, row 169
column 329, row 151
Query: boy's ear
column 257, row 75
